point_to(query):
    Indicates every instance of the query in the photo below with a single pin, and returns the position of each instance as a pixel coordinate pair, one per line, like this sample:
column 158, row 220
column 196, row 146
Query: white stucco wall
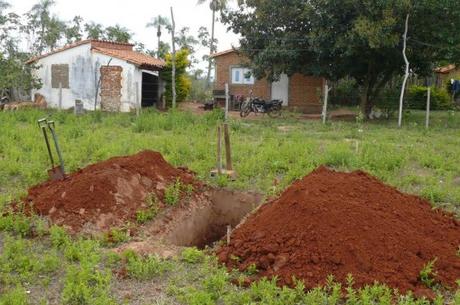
column 84, row 73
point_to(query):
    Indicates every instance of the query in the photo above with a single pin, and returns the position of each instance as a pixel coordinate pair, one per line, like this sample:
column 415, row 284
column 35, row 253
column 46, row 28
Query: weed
column 427, row 273
column 252, row 269
column 153, row 208
column 173, row 192
column 59, row 237
column 16, row 296
column 115, row 237
column 192, row 255
column 144, row 268
column 86, row 285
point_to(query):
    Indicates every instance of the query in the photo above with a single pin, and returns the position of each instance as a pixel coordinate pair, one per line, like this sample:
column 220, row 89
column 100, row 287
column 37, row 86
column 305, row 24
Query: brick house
column 108, row 74
column 298, row 92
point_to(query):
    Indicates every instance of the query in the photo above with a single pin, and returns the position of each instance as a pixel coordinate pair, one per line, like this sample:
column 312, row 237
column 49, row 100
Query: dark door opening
column 150, row 84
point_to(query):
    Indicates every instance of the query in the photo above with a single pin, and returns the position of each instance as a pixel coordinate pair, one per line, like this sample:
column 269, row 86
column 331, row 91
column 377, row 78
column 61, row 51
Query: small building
column 101, row 74
column 298, row 92
column 445, row 74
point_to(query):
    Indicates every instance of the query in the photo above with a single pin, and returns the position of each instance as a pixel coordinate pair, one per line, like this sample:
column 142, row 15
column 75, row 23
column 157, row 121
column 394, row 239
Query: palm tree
column 215, row 6
column 159, row 22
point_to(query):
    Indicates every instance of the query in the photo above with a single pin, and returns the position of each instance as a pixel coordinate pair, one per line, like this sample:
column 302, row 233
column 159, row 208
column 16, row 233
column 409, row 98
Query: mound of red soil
column 332, row 223
column 109, row 193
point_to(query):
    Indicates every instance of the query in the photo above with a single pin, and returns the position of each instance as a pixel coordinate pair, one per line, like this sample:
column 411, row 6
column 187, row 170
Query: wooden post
column 406, row 75
column 428, row 102
column 326, row 97
column 138, row 106
column 229, row 232
column 228, row 149
column 173, row 28
column 226, row 101
column 219, row 150
column 60, row 96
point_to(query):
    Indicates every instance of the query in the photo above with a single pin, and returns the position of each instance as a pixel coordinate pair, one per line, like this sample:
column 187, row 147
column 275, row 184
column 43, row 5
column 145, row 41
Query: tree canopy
column 354, row 38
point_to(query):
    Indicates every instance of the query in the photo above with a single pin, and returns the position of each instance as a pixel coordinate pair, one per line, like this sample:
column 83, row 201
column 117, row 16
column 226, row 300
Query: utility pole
column 406, row 76
column 173, row 59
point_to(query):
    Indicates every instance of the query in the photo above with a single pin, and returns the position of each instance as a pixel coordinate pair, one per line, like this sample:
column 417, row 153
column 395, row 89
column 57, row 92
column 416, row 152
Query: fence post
column 428, row 102
column 219, row 150
column 326, row 97
column 226, row 101
column 228, row 148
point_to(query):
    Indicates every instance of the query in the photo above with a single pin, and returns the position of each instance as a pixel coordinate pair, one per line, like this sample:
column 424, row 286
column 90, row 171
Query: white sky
column 135, row 14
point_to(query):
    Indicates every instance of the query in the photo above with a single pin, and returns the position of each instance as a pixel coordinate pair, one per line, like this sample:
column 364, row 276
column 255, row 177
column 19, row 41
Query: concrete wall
column 84, row 73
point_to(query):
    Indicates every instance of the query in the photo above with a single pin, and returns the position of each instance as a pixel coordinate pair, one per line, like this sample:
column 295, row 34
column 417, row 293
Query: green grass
column 267, row 157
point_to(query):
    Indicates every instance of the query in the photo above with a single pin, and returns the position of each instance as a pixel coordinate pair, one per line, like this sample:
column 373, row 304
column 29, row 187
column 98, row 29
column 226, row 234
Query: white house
column 107, row 75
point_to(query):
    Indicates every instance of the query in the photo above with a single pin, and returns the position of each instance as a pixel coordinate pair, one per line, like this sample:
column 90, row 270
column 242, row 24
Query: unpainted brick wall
column 111, row 88
column 224, row 63
column 304, row 91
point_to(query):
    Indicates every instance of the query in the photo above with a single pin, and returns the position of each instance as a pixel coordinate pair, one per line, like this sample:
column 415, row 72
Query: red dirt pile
column 107, row 194
column 346, row 223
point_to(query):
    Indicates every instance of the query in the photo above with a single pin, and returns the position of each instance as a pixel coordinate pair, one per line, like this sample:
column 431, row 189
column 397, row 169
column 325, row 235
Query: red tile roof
column 223, row 53
column 123, row 51
column 445, row 69
column 139, row 59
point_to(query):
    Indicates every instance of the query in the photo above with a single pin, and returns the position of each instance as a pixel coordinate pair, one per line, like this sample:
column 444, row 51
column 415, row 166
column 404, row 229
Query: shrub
column 16, row 296
column 192, row 255
column 172, row 193
column 427, row 274
column 144, row 268
column 417, row 96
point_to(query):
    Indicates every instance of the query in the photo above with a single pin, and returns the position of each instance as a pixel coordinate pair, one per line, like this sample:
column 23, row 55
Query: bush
column 417, row 96
column 345, row 93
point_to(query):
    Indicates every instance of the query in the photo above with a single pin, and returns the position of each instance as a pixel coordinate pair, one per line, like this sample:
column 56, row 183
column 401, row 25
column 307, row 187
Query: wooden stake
column 226, row 101
column 219, row 150
column 428, row 102
column 228, row 148
column 229, row 232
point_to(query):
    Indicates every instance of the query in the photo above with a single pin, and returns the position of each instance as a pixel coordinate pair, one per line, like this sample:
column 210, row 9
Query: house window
column 242, row 76
column 60, row 75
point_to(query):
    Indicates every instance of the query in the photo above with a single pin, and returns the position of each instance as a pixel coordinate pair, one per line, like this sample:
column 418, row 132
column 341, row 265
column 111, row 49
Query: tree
column 183, row 82
column 215, row 6
column 46, row 30
column 94, row 30
column 354, row 38
column 118, row 33
column 159, row 22
column 73, row 31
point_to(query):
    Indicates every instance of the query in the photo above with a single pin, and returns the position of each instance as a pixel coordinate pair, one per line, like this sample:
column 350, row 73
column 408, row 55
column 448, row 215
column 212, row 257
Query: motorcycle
column 256, row 105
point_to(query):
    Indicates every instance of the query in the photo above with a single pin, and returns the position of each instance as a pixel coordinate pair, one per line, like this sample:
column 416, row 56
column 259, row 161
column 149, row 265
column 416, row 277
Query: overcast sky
column 135, row 14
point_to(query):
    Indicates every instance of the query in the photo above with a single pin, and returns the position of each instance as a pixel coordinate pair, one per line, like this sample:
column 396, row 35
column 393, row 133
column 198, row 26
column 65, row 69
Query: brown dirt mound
column 109, row 193
column 346, row 223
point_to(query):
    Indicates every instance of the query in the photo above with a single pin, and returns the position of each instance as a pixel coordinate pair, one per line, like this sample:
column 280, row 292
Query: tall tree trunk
column 365, row 104
column 211, row 50
column 159, row 40
column 173, row 28
column 406, row 75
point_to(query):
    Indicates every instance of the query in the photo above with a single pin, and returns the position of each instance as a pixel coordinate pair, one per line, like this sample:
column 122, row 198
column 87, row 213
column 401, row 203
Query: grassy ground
column 39, row 265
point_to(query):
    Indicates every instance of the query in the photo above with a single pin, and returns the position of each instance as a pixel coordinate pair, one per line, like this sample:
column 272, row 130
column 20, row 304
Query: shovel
column 56, row 172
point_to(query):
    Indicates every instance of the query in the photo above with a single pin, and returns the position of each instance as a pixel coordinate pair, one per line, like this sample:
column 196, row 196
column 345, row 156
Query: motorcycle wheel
column 275, row 112
column 245, row 110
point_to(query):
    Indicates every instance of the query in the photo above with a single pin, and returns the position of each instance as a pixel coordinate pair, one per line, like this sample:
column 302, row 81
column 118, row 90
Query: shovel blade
column 56, row 173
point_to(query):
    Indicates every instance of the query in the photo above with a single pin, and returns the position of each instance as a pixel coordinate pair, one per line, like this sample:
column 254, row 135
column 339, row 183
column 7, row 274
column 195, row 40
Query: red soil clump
column 332, row 223
column 107, row 194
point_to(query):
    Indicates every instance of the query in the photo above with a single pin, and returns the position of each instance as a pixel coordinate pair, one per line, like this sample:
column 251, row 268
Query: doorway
column 150, row 85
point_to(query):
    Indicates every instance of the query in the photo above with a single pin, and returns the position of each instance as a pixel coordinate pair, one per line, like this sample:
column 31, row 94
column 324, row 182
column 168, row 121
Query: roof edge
column 76, row 44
